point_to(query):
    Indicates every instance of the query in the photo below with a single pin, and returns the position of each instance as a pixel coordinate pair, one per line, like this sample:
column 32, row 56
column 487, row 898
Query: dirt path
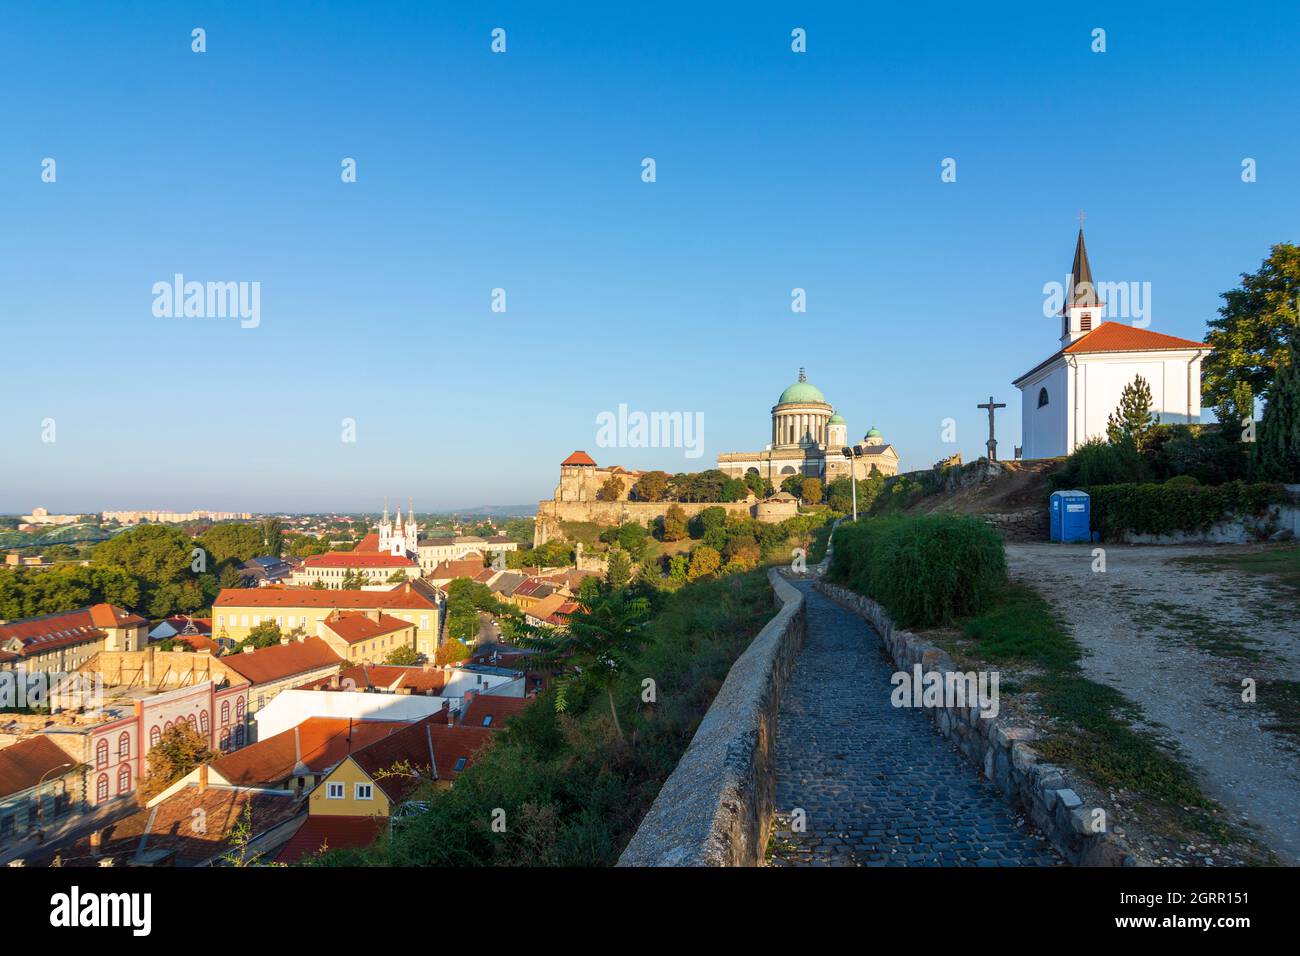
column 1178, row 640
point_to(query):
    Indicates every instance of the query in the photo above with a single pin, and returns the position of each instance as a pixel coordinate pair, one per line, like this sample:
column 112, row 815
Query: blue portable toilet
column 1071, row 516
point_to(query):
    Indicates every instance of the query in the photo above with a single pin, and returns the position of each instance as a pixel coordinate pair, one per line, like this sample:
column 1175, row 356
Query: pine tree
column 1133, row 420
column 1276, row 454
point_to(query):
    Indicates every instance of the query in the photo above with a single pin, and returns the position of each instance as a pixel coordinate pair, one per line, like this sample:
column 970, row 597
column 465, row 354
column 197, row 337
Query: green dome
column 873, row 432
column 801, row 391
column 836, row 419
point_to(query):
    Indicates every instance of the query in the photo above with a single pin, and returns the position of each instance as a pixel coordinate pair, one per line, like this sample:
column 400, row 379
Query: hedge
column 1170, row 508
column 926, row 570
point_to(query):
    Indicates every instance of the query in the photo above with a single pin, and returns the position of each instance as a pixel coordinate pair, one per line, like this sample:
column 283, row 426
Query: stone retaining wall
column 1003, row 752
column 716, row 808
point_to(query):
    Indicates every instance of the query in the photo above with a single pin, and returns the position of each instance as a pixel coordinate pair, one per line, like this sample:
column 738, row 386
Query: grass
column 1094, row 728
column 1281, row 698
column 1282, row 564
column 1192, row 627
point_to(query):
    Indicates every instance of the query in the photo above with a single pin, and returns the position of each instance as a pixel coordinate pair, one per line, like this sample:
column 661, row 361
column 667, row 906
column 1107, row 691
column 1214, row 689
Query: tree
column 810, row 490
column 272, row 537
column 596, row 649
column 1133, row 420
column 397, row 577
column 155, row 553
column 232, row 542
column 652, row 486
column 743, row 550
column 179, row 750
column 266, row 634
column 674, row 523
column 618, row 570
column 589, row 590
column 677, row 566
column 450, row 651
column 403, row 656
column 705, row 562
column 1256, row 324
column 760, row 486
column 1276, row 453
column 611, row 490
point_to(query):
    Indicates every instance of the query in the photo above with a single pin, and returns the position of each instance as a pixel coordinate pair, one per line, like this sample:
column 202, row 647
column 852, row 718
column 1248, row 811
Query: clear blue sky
column 522, row 171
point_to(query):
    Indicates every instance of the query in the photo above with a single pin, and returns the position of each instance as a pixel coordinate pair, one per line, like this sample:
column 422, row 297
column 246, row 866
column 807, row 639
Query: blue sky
column 522, row 171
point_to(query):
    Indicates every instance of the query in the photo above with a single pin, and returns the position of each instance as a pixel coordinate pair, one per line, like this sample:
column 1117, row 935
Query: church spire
column 1082, row 290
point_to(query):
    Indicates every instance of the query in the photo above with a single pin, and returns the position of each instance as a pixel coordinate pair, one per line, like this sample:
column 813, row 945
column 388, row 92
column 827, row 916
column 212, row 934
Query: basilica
column 808, row 438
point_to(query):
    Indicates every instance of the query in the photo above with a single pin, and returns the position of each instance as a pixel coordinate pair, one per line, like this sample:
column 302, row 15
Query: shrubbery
column 1174, row 506
column 1097, row 462
column 926, row 570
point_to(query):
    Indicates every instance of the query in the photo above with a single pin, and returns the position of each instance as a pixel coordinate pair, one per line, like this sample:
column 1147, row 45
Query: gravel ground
column 1177, row 640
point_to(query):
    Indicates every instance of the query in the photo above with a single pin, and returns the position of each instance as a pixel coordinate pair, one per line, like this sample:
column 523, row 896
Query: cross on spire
column 992, row 443
column 1082, row 217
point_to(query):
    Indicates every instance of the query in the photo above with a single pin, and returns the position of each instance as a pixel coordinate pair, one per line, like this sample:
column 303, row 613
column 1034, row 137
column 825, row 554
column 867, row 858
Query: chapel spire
column 1082, row 290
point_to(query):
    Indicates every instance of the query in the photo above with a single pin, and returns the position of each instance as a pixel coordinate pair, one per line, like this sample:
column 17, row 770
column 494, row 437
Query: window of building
column 124, row 779
column 124, row 745
column 203, row 721
column 239, row 710
column 460, row 764
column 225, row 711
column 1042, row 397
column 487, row 721
column 1085, row 322
column 155, row 735
column 221, row 620
column 239, row 736
column 101, row 754
column 225, row 738
column 365, row 791
column 334, row 791
column 101, row 788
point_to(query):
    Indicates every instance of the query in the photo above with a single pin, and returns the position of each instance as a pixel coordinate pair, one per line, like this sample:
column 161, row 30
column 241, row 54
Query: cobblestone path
column 878, row 785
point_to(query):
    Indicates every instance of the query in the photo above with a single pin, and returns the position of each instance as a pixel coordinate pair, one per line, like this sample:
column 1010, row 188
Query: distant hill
column 499, row 511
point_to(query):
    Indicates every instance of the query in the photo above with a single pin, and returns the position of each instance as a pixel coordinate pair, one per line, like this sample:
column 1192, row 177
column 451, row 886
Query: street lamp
column 852, row 454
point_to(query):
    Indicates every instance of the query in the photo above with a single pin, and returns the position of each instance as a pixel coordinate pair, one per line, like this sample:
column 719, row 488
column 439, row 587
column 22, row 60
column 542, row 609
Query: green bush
column 1167, row 508
column 1207, row 453
column 1182, row 481
column 926, row 570
column 1096, row 462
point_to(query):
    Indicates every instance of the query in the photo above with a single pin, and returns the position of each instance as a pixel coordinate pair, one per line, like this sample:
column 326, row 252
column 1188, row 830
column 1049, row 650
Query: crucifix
column 992, row 442
column 1082, row 217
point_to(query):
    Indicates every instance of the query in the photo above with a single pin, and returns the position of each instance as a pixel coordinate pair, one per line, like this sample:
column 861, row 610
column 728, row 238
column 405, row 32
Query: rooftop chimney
column 203, row 777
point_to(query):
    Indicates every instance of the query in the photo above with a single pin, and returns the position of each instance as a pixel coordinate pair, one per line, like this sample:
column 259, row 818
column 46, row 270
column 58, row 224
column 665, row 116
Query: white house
column 1066, row 398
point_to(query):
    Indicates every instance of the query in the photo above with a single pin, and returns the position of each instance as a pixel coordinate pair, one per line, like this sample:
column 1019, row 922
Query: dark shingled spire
column 1082, row 289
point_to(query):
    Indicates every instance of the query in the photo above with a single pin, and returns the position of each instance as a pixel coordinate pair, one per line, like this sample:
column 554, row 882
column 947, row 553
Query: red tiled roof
column 320, row 743
column 394, row 677
column 402, row 597
column 368, row 544
column 1117, row 337
column 328, row 831
column 67, row 628
column 169, row 826
column 355, row 626
column 579, row 458
column 386, row 761
column 280, row 661
column 499, row 708
column 351, row 559
column 24, row 764
column 456, row 569
column 452, row 743
column 200, row 642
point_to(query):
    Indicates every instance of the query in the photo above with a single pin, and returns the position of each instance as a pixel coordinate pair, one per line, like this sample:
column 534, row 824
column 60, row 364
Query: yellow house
column 236, row 611
column 366, row 636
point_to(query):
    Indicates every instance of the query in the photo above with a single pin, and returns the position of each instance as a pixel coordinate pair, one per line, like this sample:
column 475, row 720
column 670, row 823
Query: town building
column 335, row 569
column 63, row 642
column 1065, row 400
column 807, row 438
column 112, row 751
column 269, row 671
column 42, row 516
column 366, row 636
column 40, row 786
column 236, row 611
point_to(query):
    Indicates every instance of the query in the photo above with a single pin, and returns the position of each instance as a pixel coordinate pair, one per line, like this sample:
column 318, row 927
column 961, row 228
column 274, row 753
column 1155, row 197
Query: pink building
column 114, row 751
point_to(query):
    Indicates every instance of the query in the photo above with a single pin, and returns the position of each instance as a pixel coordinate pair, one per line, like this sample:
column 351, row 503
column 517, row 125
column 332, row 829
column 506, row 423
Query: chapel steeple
column 1082, row 311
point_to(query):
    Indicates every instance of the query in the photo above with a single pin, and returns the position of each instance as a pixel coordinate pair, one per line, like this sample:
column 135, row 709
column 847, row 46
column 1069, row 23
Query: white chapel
column 1066, row 398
